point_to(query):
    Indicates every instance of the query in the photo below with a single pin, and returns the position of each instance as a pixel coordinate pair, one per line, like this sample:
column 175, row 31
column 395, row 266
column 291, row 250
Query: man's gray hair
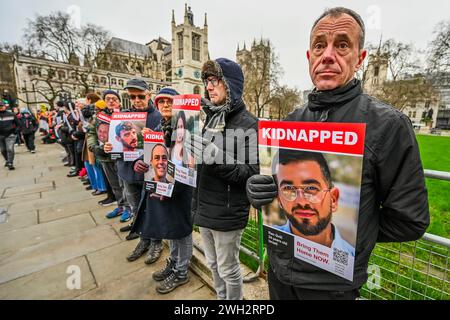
column 338, row 11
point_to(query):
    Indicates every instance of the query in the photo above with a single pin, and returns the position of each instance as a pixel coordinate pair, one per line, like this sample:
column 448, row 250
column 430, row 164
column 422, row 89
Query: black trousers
column 29, row 141
column 280, row 291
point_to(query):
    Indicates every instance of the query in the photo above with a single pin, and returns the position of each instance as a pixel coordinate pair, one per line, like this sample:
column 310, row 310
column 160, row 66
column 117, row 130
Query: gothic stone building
column 159, row 62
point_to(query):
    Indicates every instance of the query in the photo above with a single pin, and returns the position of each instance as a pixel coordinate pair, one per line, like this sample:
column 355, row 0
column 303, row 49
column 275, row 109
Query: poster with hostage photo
column 125, row 135
column 103, row 128
column 156, row 155
column 318, row 171
column 185, row 122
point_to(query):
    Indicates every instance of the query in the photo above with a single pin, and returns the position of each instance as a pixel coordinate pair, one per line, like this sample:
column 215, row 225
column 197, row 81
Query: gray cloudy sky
column 285, row 22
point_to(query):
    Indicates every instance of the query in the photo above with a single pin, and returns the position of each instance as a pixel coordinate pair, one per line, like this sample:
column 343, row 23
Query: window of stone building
column 376, row 71
column 61, row 75
column 73, row 75
column 121, row 82
column 150, row 86
column 180, row 46
column 196, row 90
column 414, row 114
column 196, row 46
column 409, row 114
column 103, row 80
column 95, row 79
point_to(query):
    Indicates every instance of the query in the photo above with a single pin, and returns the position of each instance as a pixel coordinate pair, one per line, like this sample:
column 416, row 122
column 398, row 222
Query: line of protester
column 394, row 206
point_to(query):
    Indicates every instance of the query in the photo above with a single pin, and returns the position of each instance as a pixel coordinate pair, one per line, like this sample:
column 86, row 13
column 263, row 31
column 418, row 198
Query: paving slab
column 27, row 189
column 140, row 286
column 50, row 283
column 12, row 200
column 113, row 259
column 66, row 210
column 50, row 253
column 18, row 239
column 19, row 221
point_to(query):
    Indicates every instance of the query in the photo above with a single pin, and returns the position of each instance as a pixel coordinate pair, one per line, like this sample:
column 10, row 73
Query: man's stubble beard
column 305, row 227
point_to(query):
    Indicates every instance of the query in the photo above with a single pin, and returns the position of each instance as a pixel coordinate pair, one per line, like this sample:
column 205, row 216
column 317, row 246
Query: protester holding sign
column 393, row 202
column 165, row 213
column 220, row 206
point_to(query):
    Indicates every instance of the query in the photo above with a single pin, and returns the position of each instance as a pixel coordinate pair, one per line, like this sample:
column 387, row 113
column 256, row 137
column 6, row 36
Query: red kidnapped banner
column 129, row 116
column 187, row 102
column 103, row 117
column 343, row 138
column 154, row 137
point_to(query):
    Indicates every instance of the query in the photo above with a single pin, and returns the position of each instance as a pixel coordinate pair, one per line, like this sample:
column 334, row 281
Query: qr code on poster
column 340, row 256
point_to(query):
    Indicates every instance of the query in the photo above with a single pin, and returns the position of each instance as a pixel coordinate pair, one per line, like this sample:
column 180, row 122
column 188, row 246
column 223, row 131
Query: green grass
column 435, row 153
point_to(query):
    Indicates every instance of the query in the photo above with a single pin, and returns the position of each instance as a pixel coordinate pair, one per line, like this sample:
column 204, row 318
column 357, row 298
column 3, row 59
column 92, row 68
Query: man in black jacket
column 220, row 206
column 9, row 126
column 394, row 203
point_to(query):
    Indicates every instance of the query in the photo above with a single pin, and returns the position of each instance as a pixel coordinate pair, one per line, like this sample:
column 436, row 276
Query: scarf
column 217, row 115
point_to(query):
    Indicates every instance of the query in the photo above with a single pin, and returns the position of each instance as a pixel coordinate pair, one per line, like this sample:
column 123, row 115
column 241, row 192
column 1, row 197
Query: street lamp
column 109, row 80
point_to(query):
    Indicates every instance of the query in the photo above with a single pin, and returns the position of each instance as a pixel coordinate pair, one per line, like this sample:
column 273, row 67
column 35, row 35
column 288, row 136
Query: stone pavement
column 56, row 230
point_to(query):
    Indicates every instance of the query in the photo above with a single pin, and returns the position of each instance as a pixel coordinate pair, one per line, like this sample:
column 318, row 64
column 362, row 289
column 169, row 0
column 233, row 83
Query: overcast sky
column 286, row 23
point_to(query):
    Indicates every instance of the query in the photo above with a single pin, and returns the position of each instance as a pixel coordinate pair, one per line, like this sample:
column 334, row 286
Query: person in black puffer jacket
column 393, row 201
column 220, row 206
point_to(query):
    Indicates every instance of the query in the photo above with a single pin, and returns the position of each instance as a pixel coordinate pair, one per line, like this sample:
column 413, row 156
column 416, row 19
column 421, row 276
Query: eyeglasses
column 140, row 96
column 111, row 99
column 311, row 194
column 214, row 81
column 165, row 101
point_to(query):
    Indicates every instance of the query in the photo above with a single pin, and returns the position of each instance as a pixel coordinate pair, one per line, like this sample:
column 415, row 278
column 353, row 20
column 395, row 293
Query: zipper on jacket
column 228, row 197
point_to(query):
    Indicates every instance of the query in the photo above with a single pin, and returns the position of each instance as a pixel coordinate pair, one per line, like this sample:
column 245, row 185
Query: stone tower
column 189, row 53
column 376, row 73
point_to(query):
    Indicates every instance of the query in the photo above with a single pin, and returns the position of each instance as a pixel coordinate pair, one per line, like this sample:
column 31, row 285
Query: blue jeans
column 7, row 147
column 95, row 175
column 180, row 254
column 222, row 256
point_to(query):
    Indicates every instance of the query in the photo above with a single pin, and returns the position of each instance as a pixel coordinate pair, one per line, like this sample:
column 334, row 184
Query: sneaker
column 6, row 164
column 98, row 193
column 154, row 252
column 126, row 216
column 127, row 228
column 132, row 236
column 11, row 166
column 33, row 151
column 115, row 213
column 171, row 283
column 166, row 272
column 139, row 251
column 89, row 188
column 107, row 202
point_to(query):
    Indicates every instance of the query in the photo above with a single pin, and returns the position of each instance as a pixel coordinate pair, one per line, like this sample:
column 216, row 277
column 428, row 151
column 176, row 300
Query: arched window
column 103, row 80
column 196, row 90
column 95, row 79
column 114, row 81
column 121, row 82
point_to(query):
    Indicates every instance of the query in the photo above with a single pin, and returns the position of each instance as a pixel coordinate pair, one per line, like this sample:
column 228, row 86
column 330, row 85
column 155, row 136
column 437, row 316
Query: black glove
column 261, row 190
column 167, row 129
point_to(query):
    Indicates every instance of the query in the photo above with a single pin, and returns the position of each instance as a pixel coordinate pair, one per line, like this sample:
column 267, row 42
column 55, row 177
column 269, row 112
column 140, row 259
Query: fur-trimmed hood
column 232, row 75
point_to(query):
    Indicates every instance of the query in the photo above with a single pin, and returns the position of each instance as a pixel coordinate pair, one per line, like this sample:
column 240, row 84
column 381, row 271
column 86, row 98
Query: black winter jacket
column 220, row 201
column 168, row 219
column 9, row 124
column 394, row 201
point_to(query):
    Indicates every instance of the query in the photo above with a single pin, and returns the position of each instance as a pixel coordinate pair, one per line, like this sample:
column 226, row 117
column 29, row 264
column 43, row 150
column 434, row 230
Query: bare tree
column 284, row 101
column 439, row 49
column 262, row 72
column 407, row 92
column 56, row 38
